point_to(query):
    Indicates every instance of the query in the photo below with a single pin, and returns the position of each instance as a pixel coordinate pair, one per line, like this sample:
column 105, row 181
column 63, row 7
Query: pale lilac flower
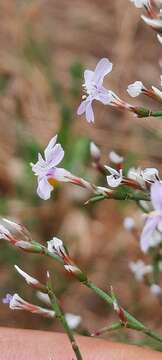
column 17, row 303
column 73, row 320
column 150, row 175
column 94, row 88
column 140, row 269
column 116, row 177
column 129, row 223
column 135, row 89
column 115, row 158
column 154, row 219
column 46, row 169
column 155, row 289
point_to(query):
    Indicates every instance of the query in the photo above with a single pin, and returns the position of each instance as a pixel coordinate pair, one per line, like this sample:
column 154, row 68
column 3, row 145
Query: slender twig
column 60, row 315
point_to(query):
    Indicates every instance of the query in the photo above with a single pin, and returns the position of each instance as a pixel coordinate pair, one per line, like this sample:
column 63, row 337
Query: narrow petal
column 50, row 145
column 55, row 156
column 89, row 113
column 103, row 68
column 156, row 195
column 88, row 75
column 147, row 232
column 44, row 189
column 82, row 107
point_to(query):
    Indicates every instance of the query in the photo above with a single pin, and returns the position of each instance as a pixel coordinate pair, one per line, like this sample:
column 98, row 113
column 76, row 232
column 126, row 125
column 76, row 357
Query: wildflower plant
column 141, row 185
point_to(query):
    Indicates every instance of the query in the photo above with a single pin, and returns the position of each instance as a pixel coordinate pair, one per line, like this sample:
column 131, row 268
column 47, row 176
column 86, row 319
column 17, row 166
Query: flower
column 135, row 89
column 46, row 169
column 94, row 88
column 73, row 320
column 154, row 23
column 140, row 3
column 115, row 178
column 56, row 246
column 129, row 223
column 140, row 269
column 95, row 152
column 29, row 279
column 155, row 289
column 115, row 158
column 17, row 303
column 153, row 219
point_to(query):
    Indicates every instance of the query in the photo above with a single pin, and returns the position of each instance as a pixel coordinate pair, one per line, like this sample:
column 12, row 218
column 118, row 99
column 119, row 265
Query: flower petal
column 82, row 107
column 44, row 188
column 147, row 232
column 89, row 113
column 156, row 195
column 104, row 96
column 61, row 174
column 103, row 67
column 50, row 145
column 55, row 156
column 88, row 75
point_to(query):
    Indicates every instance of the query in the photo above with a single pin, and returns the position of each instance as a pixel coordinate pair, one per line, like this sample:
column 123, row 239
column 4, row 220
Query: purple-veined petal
column 50, row 145
column 44, row 188
column 156, row 195
column 149, row 228
column 103, row 68
column 88, row 76
column 89, row 113
column 55, row 156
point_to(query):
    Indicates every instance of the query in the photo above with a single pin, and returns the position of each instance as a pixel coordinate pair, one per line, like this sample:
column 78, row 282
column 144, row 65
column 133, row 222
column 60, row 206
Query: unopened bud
column 95, row 152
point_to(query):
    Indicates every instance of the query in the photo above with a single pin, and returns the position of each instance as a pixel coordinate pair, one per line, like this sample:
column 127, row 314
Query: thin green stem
column 60, row 315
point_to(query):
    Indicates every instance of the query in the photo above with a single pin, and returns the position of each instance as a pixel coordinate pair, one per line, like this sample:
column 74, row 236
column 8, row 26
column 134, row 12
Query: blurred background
column 44, row 48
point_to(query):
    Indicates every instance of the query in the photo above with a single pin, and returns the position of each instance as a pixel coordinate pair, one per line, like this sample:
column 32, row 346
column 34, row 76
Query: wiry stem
column 60, row 315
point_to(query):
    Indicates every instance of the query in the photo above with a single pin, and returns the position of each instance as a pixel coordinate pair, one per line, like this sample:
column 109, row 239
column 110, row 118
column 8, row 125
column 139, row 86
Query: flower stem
column 60, row 315
column 133, row 323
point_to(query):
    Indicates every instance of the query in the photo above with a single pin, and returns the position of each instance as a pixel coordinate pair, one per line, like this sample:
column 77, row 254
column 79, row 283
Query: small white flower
column 155, row 289
column 115, row 158
column 95, row 151
column 5, row 233
column 13, row 225
column 71, row 268
column 140, row 3
column 155, row 23
column 159, row 38
column 140, row 269
column 135, row 174
column 29, row 279
column 150, row 175
column 116, row 177
column 56, row 246
column 73, row 320
column 129, row 223
column 43, row 297
column 157, row 92
column 135, row 89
